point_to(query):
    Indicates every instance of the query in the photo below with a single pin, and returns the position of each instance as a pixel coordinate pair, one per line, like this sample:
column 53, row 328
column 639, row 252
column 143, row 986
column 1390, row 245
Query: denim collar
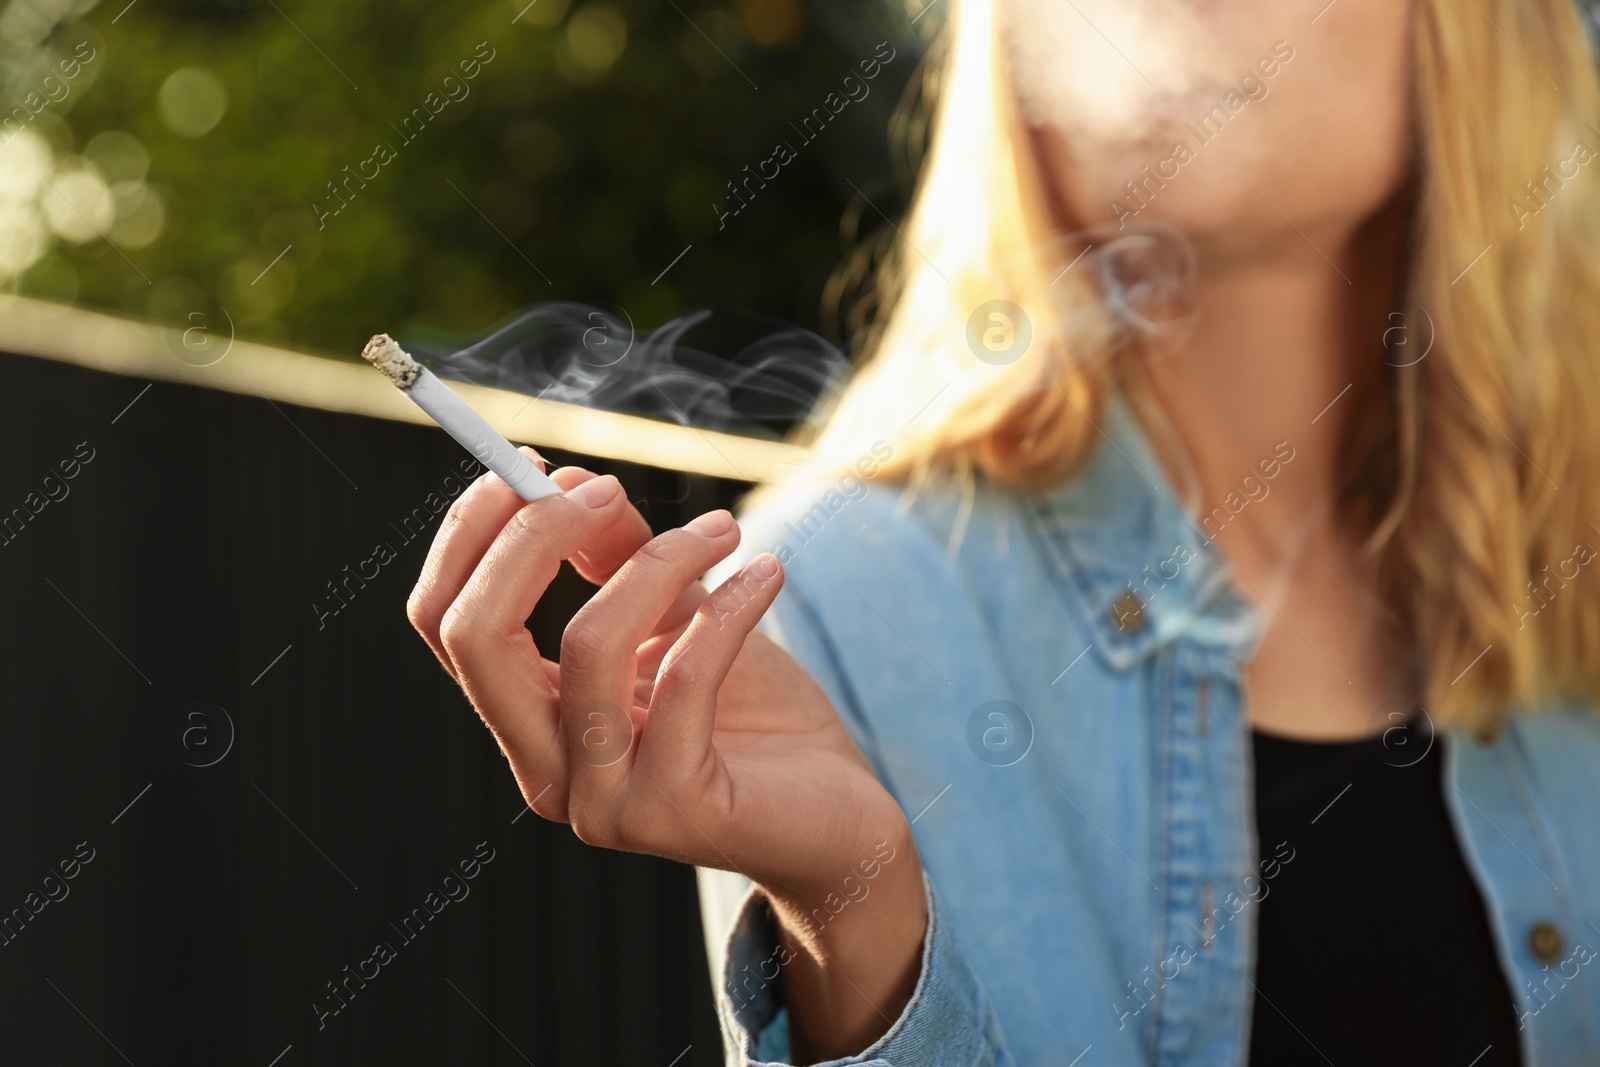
column 1133, row 560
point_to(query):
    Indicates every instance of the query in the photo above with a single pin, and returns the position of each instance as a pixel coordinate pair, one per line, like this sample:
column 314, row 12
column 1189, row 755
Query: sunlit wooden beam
column 45, row 330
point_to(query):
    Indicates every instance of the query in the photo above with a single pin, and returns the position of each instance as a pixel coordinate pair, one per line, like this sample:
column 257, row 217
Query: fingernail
column 596, row 492
column 711, row 524
column 762, row 567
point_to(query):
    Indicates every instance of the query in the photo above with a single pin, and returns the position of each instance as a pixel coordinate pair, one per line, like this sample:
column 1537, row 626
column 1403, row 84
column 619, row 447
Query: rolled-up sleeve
column 948, row 1021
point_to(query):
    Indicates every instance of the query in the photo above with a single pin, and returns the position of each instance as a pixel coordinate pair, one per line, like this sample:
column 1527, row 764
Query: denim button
column 1127, row 613
column 1545, row 941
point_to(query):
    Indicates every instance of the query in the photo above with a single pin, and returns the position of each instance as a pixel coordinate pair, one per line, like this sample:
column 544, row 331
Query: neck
column 1285, row 356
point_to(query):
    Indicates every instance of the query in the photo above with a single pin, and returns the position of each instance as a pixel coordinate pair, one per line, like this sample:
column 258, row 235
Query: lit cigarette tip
column 457, row 419
column 397, row 366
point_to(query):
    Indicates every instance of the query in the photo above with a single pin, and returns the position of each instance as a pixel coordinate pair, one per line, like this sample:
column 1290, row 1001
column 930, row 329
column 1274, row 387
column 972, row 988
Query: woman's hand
column 672, row 727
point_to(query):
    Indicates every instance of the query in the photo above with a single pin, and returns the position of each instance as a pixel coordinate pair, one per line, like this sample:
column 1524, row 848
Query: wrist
column 885, row 874
column 852, row 943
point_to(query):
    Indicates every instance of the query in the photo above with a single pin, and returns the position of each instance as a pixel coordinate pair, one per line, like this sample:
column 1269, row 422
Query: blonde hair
column 1490, row 442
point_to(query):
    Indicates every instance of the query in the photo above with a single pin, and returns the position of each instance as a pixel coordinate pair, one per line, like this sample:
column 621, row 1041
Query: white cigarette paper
column 457, row 419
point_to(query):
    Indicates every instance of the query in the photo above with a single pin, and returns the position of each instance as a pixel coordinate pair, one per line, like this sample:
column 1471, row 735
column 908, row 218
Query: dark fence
column 169, row 605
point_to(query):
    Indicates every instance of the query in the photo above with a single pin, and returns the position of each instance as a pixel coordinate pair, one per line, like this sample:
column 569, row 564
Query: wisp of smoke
column 579, row 354
column 1147, row 275
column 776, row 373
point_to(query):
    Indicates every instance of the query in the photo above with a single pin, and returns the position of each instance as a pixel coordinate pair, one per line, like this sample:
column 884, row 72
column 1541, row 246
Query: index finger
column 465, row 533
column 484, row 631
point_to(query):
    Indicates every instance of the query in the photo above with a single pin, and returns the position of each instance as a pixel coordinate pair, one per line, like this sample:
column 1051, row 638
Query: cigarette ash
column 578, row 354
column 382, row 352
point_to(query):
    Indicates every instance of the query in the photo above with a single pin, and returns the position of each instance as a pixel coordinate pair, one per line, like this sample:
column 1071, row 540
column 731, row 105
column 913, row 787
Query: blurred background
column 213, row 694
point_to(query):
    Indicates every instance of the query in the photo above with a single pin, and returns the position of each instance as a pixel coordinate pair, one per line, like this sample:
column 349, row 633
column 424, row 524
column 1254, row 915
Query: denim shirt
column 1057, row 706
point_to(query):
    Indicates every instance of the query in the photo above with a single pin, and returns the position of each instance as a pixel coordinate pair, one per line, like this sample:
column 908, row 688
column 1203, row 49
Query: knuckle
column 549, row 801
column 582, row 828
column 678, row 681
column 593, row 827
column 421, row 611
column 445, row 538
column 454, row 515
column 685, row 670
column 584, row 642
column 725, row 603
column 525, row 525
column 456, row 631
column 667, row 549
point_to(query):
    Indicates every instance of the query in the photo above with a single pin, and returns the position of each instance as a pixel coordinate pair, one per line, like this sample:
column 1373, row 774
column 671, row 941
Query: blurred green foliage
column 590, row 149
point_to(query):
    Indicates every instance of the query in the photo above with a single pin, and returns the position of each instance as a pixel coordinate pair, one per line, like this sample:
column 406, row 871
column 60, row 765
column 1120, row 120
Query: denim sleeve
column 948, row 1021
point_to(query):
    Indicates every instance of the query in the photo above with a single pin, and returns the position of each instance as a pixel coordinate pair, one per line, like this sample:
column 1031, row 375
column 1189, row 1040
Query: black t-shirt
column 1374, row 944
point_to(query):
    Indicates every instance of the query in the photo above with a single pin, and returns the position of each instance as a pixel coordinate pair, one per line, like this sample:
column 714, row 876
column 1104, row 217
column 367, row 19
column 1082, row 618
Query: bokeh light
column 192, row 101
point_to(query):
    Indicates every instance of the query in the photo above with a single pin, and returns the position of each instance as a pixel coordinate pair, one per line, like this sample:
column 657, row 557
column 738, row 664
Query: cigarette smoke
column 776, row 373
column 1104, row 71
column 579, row 354
column 1146, row 274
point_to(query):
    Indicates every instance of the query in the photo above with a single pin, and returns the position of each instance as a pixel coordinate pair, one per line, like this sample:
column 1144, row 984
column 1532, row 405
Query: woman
column 1185, row 651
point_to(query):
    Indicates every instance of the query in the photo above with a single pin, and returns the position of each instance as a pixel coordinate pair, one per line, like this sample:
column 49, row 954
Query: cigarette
column 457, row 419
